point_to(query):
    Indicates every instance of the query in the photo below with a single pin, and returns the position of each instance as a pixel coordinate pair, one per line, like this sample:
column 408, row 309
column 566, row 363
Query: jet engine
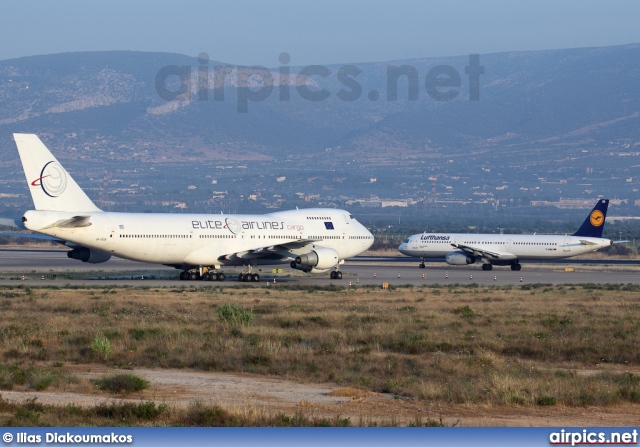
column 304, row 268
column 459, row 258
column 319, row 258
column 87, row 255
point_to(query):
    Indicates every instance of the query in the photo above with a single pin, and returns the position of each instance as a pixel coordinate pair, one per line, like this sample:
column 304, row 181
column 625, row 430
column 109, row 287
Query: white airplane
column 311, row 240
column 509, row 249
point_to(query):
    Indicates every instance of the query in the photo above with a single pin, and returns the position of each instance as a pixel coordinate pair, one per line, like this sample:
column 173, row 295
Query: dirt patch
column 240, row 392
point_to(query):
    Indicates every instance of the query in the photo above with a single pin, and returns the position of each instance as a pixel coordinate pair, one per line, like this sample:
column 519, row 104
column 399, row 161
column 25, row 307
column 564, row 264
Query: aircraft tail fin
column 51, row 186
column 593, row 225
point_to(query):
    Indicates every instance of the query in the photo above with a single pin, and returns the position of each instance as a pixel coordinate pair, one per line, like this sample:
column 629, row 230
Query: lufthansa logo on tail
column 52, row 180
column 596, row 218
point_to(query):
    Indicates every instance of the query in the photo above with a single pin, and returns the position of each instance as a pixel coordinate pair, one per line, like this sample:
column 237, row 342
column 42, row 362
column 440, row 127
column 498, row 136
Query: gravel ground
column 240, row 392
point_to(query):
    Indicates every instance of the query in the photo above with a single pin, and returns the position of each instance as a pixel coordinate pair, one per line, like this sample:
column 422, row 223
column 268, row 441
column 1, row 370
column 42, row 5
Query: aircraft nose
column 370, row 238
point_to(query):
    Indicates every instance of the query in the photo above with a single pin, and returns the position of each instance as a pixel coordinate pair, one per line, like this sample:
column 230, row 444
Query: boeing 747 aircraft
column 509, row 249
column 311, row 240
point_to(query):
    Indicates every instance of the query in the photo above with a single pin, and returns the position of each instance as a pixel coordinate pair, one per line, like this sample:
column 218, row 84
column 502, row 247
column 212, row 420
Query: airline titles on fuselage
column 433, row 237
column 234, row 226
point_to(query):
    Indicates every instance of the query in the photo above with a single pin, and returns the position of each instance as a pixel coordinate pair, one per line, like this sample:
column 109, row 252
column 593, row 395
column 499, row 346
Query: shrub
column 42, row 380
column 21, row 376
column 128, row 411
column 465, row 312
column 235, row 315
column 199, row 415
column 122, row 383
column 101, row 345
column 546, row 401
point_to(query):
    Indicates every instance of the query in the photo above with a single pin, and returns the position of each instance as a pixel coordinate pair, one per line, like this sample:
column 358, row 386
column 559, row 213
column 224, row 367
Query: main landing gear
column 208, row 275
column 249, row 277
column 336, row 274
column 213, row 276
column 516, row 267
column 487, row 266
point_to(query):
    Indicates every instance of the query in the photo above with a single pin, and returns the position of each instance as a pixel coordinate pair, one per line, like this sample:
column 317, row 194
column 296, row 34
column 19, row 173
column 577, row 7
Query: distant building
column 382, row 203
column 567, row 203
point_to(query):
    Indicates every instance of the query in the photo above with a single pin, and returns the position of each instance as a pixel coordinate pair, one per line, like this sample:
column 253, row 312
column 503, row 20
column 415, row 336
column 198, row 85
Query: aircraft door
column 111, row 235
column 567, row 245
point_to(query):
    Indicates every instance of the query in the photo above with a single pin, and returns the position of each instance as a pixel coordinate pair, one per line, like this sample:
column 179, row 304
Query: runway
column 58, row 270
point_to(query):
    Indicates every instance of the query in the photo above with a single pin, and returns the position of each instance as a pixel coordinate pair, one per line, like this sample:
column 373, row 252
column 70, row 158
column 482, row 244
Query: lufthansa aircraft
column 311, row 240
column 509, row 249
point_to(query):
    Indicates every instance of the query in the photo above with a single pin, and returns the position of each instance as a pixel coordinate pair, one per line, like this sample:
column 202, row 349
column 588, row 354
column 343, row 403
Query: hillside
column 556, row 97
column 546, row 125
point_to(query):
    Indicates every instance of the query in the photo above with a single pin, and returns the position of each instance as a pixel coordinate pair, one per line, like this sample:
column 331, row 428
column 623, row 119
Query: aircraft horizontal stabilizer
column 73, row 222
column 42, row 237
column 14, row 223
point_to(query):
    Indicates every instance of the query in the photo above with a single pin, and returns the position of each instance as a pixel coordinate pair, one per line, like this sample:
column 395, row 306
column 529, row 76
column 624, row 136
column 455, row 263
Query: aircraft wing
column 269, row 250
column 482, row 253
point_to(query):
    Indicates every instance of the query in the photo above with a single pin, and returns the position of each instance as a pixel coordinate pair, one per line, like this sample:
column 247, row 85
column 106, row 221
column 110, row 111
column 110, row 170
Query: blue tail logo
column 594, row 224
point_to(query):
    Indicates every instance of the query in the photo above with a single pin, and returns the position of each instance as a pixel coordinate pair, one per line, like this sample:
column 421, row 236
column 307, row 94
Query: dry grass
column 534, row 345
column 32, row 413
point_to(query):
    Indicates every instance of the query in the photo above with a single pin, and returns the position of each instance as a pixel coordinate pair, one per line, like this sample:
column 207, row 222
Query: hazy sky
column 255, row 32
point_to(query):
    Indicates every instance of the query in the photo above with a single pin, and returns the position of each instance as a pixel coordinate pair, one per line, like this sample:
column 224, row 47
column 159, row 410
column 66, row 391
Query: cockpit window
column 350, row 216
column 406, row 241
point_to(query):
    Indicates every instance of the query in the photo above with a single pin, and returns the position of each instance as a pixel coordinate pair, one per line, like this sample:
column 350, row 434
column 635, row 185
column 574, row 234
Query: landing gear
column 422, row 263
column 336, row 274
column 249, row 277
column 487, row 266
column 207, row 275
column 516, row 267
column 213, row 276
column 191, row 275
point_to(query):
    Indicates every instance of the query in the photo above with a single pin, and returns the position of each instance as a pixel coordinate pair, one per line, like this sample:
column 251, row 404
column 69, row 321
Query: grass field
column 526, row 346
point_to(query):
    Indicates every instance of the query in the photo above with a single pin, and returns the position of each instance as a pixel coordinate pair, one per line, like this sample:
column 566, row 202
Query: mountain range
column 139, row 104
